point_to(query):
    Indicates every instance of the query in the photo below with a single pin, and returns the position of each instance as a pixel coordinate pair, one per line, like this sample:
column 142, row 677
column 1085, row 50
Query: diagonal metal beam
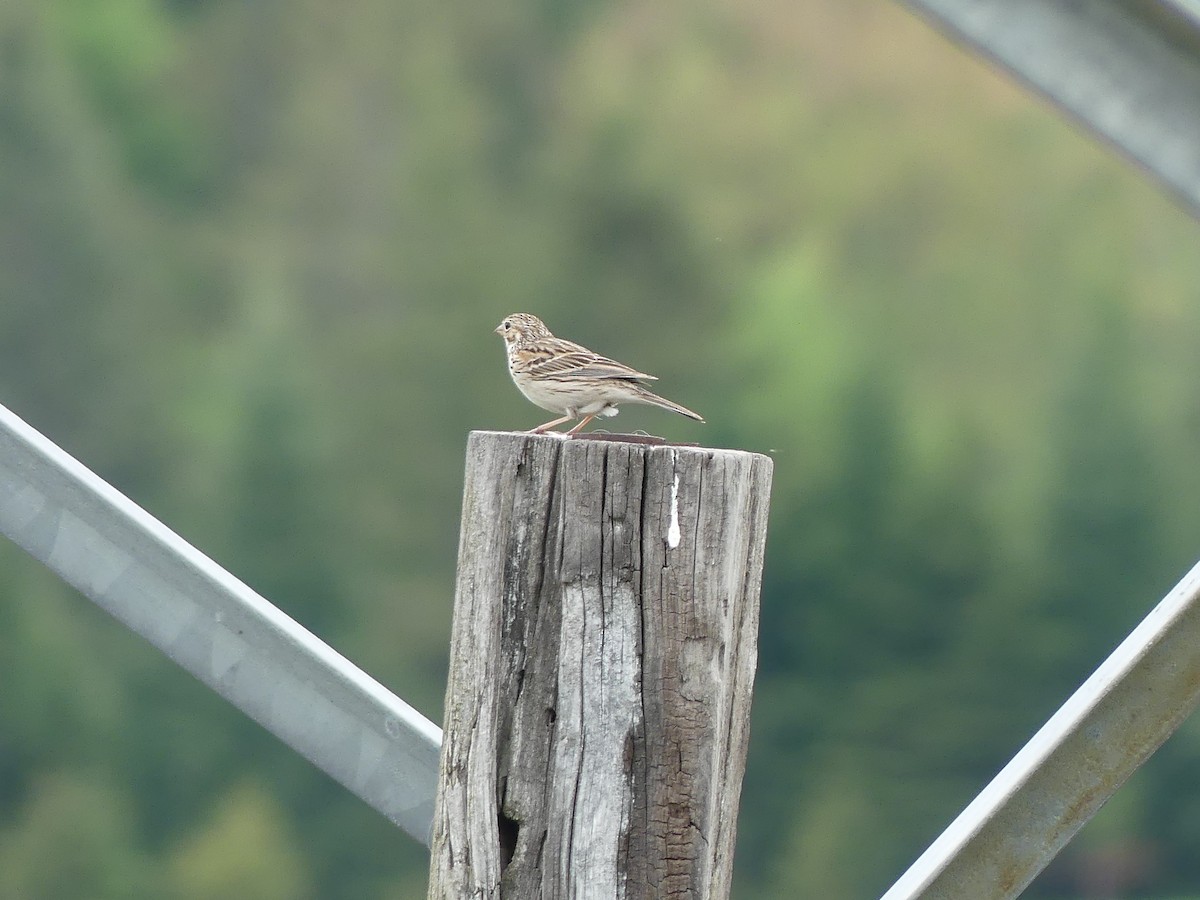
column 1073, row 765
column 1129, row 70
column 217, row 628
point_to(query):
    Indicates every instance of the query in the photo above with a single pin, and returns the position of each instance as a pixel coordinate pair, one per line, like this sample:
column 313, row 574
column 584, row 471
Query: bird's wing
column 564, row 359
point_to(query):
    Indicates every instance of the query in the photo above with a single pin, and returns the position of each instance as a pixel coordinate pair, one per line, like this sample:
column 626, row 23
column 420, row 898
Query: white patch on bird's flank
column 673, row 528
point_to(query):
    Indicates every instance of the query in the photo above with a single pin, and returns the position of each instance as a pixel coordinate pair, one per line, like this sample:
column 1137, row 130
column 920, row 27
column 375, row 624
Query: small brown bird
column 571, row 380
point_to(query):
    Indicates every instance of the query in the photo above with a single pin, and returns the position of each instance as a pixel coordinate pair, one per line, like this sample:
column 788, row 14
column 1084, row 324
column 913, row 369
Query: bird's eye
column 507, row 324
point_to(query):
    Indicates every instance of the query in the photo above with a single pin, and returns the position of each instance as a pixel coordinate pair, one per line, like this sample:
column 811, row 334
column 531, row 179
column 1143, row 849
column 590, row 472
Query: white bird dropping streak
column 673, row 528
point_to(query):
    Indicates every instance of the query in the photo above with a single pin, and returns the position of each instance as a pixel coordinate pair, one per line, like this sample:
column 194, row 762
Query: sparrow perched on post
column 571, row 380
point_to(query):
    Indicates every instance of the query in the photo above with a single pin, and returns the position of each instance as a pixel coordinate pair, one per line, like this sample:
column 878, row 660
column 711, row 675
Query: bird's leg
column 585, row 420
column 542, row 428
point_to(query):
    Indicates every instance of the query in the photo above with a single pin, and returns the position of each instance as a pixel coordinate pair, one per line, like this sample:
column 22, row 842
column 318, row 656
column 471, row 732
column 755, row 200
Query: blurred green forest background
column 251, row 256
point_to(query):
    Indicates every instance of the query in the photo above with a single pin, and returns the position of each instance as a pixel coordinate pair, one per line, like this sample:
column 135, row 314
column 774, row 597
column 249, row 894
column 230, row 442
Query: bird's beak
column 499, row 329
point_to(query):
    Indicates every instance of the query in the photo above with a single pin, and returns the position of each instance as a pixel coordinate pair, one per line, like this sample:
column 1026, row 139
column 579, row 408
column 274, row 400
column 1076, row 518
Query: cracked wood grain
column 601, row 665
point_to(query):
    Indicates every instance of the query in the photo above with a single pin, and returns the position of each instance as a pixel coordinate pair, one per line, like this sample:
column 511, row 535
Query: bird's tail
column 648, row 396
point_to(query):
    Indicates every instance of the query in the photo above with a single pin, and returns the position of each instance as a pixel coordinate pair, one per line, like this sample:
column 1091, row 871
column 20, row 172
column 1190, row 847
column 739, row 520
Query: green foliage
column 243, row 851
column 122, row 53
column 72, row 839
column 251, row 257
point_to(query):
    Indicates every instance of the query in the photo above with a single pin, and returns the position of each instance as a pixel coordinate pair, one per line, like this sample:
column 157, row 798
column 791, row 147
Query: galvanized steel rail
column 1073, row 765
column 1129, row 70
column 217, row 628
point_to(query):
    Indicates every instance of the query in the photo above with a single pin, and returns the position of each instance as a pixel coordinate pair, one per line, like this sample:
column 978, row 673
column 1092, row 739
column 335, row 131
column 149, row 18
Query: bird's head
column 519, row 328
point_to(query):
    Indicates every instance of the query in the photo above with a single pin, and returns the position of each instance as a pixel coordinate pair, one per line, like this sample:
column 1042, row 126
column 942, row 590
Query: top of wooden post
column 639, row 439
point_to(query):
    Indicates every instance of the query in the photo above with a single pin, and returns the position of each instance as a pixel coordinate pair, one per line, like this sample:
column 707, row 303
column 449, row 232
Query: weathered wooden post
column 602, row 659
